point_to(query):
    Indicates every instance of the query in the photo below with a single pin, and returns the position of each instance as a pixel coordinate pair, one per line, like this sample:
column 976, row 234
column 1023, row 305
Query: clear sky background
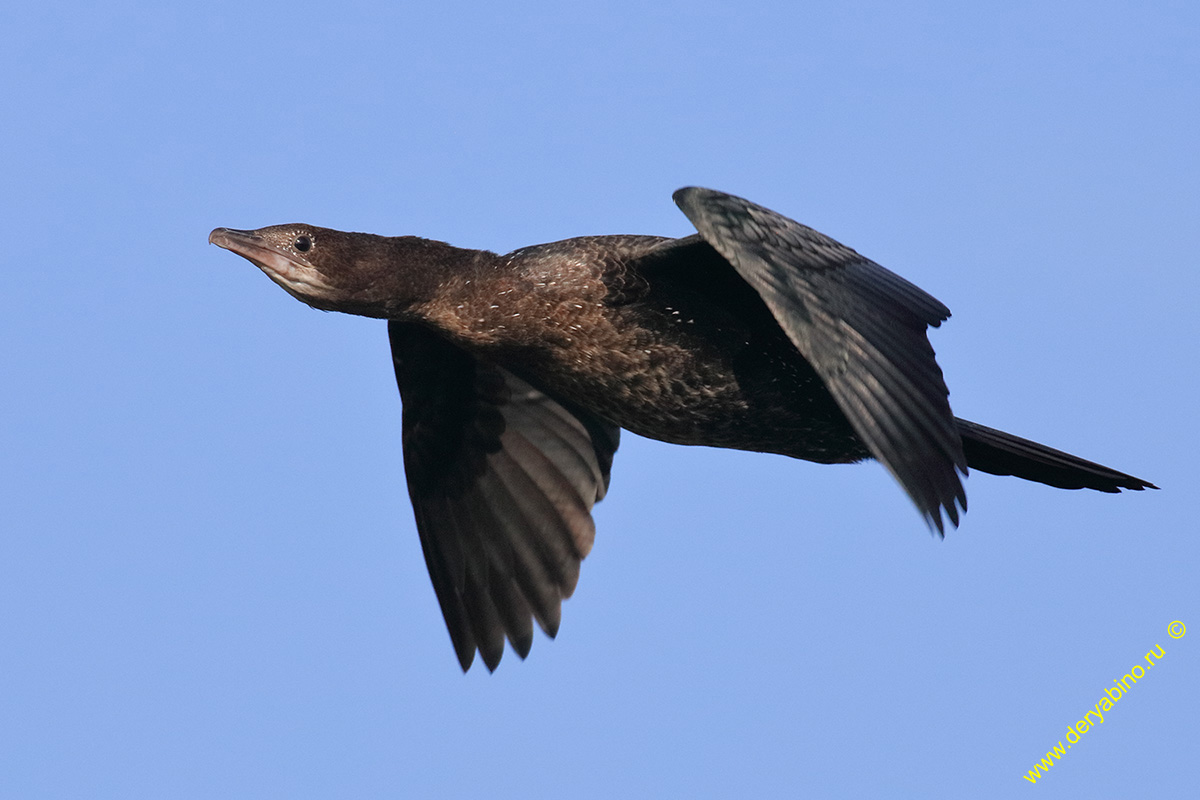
column 210, row 580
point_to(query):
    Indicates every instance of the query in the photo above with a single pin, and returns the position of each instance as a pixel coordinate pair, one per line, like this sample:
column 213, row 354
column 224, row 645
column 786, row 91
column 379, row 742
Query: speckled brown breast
column 596, row 322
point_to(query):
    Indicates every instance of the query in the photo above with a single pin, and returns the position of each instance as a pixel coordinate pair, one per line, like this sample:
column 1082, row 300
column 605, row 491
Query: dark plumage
column 517, row 373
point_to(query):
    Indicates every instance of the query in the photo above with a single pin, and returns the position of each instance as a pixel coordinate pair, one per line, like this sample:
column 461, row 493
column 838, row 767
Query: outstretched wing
column 502, row 479
column 861, row 327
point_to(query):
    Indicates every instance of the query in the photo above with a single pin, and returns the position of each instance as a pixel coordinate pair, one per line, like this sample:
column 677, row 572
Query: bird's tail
column 1000, row 453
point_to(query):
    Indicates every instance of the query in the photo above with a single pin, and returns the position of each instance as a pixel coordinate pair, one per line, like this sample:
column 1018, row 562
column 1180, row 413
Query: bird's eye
column 303, row 244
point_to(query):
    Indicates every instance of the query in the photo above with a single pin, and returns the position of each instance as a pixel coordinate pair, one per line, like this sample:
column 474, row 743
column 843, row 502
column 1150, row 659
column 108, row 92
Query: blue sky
column 210, row 581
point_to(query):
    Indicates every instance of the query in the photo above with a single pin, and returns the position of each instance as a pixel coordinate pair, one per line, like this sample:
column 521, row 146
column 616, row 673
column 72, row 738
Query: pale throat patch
column 299, row 280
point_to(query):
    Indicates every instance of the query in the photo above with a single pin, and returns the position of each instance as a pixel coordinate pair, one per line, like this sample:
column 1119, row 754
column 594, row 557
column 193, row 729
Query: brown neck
column 402, row 276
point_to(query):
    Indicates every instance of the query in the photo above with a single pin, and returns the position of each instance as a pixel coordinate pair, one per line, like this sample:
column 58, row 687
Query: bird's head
column 356, row 273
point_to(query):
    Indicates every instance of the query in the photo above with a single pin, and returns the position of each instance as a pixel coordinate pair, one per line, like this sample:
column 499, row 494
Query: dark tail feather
column 1000, row 453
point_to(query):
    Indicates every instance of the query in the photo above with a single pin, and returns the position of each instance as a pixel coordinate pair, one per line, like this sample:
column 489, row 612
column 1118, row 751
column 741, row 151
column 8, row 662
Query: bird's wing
column 502, row 479
column 861, row 327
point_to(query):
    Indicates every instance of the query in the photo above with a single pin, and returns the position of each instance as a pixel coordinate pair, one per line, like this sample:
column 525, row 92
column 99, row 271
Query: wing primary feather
column 448, row 595
column 862, row 328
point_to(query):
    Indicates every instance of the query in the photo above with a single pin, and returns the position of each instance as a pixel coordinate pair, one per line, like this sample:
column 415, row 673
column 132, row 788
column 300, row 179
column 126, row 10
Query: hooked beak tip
column 230, row 238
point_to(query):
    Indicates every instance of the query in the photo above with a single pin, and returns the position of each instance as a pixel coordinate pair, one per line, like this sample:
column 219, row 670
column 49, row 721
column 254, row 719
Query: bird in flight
column 517, row 372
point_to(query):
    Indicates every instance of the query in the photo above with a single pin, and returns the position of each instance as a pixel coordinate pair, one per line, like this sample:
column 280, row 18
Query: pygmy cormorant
column 517, row 372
